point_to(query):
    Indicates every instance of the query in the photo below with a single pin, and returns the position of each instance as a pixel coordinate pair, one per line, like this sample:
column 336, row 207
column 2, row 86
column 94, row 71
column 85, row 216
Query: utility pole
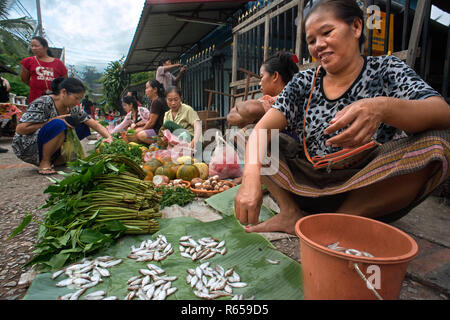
column 38, row 6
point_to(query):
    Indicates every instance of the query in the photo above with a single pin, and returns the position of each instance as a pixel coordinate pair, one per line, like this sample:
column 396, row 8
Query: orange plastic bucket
column 329, row 274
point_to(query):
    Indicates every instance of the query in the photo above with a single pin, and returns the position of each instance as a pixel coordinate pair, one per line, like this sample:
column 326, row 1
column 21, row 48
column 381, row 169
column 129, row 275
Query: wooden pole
column 266, row 37
column 415, row 32
column 234, row 60
column 299, row 42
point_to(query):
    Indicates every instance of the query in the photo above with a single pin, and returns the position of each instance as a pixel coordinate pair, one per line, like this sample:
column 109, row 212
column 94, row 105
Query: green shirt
column 186, row 117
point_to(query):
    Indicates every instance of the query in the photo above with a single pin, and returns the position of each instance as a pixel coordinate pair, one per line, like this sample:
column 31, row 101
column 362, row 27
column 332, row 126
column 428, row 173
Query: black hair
column 72, row 85
column 131, row 100
column 283, row 63
column 345, row 10
column 173, row 88
column 44, row 43
column 163, row 59
column 159, row 87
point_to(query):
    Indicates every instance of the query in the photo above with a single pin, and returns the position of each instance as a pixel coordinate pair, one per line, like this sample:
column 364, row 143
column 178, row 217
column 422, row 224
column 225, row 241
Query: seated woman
column 275, row 73
column 181, row 119
column 154, row 90
column 355, row 99
column 42, row 128
column 136, row 116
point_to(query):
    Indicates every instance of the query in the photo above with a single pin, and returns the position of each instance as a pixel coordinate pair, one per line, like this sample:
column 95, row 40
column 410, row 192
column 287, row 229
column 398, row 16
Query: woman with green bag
column 47, row 127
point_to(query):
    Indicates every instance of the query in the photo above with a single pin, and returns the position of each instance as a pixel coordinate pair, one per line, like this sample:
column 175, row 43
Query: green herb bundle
column 103, row 198
column 119, row 146
column 175, row 195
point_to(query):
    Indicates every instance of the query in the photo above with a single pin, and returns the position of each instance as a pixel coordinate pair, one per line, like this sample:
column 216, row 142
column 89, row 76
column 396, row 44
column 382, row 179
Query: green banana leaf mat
column 246, row 253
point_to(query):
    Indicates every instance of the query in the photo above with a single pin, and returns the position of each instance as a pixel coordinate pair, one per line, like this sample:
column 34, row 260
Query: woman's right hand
column 248, row 201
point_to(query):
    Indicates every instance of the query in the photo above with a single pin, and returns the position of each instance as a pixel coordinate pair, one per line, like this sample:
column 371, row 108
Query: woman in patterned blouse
column 356, row 99
column 42, row 128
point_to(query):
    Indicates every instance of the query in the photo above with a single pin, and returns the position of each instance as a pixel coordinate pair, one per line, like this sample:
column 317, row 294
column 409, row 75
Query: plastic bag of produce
column 72, row 149
column 224, row 160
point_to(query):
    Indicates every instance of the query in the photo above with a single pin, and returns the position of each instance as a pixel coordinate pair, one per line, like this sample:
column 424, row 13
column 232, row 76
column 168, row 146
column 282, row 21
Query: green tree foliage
column 114, row 83
column 15, row 35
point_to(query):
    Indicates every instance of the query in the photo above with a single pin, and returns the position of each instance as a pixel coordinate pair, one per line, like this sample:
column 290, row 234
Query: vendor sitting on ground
column 355, row 99
column 43, row 127
column 275, row 73
column 181, row 119
column 136, row 117
column 154, row 90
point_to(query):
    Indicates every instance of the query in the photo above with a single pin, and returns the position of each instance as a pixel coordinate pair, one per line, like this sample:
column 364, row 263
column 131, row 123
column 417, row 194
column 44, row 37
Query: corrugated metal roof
column 171, row 28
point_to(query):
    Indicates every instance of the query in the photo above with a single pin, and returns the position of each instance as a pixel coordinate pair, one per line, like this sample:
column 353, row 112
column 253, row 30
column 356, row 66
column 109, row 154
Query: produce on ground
column 174, row 195
column 103, row 198
column 211, row 184
column 187, row 172
column 119, row 146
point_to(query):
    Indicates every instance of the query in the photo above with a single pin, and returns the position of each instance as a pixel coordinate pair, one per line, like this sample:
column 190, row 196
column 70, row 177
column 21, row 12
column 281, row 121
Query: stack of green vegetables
column 119, row 146
column 103, row 198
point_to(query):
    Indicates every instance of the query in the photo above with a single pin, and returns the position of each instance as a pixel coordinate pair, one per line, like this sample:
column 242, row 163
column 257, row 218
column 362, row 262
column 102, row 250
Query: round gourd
column 185, row 160
column 153, row 164
column 203, row 169
column 188, row 172
column 149, row 176
column 168, row 170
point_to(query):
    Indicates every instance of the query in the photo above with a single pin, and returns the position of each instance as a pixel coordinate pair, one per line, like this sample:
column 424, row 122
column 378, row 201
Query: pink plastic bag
column 177, row 146
column 224, row 161
column 157, row 154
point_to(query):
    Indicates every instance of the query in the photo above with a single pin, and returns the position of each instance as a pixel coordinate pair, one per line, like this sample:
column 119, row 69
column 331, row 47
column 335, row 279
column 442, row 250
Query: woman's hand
column 247, row 204
column 133, row 125
column 109, row 139
column 362, row 117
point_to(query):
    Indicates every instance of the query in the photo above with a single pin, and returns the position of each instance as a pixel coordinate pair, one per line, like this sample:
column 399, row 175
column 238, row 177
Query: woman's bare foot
column 281, row 222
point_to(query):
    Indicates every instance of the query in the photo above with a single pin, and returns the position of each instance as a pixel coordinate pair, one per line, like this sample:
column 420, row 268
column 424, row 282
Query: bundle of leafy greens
column 119, row 146
column 103, row 198
column 175, row 195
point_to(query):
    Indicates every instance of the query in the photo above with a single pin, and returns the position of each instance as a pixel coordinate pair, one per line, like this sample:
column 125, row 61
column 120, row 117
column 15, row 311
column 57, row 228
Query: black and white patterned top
column 41, row 110
column 381, row 76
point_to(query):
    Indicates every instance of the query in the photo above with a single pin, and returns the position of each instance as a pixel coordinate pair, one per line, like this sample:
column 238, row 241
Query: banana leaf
column 224, row 203
column 247, row 254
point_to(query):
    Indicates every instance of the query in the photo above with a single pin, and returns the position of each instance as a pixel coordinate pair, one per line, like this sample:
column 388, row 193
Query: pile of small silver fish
column 201, row 249
column 335, row 246
column 151, row 284
column 211, row 283
column 84, row 275
column 149, row 250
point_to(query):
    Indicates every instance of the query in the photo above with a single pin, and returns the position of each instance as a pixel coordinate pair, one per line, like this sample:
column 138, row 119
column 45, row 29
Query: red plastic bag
column 224, row 161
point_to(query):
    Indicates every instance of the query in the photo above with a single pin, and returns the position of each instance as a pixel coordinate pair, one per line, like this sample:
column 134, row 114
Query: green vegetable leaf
column 26, row 220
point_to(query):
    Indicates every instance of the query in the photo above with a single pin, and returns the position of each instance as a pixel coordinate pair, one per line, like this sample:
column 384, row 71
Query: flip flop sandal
column 46, row 171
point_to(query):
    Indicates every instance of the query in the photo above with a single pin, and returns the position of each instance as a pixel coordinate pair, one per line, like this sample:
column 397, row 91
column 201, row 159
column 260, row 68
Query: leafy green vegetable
column 25, row 222
column 118, row 146
column 102, row 198
column 171, row 196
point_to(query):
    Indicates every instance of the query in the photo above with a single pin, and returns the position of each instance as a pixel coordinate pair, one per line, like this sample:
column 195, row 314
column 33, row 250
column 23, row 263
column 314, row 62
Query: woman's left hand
column 362, row 117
